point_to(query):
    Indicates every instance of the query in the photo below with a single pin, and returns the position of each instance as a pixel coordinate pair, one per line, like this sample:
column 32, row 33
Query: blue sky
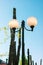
column 24, row 9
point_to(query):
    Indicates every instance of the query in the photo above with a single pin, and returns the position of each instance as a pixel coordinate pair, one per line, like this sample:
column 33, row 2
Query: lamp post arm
column 27, row 29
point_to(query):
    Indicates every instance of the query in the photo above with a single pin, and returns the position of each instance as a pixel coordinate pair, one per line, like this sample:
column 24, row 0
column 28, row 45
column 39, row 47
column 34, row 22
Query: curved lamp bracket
column 17, row 30
column 30, row 27
column 27, row 29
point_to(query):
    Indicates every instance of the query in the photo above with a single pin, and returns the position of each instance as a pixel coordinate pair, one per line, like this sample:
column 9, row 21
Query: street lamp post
column 32, row 24
column 32, row 21
column 23, row 49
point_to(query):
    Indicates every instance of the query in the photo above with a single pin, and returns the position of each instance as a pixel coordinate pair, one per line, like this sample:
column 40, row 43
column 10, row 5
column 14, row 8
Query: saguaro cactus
column 28, row 55
column 18, row 51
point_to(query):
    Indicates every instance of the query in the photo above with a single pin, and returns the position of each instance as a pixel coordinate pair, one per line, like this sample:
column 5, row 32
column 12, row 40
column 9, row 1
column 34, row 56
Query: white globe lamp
column 13, row 23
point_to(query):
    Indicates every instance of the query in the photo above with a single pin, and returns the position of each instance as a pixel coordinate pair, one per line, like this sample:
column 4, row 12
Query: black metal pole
column 23, row 50
column 28, row 56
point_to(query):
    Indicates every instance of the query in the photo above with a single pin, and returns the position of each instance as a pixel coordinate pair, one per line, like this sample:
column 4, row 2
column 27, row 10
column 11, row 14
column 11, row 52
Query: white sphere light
column 32, row 21
column 13, row 23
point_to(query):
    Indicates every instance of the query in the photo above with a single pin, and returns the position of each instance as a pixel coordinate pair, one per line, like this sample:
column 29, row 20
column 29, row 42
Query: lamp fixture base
column 32, row 27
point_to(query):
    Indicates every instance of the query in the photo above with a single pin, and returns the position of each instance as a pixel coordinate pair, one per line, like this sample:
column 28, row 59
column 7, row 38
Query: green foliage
column 25, row 62
column 5, row 28
column 5, row 31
